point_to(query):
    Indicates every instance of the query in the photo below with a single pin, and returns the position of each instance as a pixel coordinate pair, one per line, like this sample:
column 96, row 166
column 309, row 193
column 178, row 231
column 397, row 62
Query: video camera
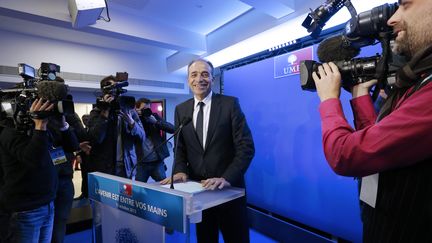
column 147, row 112
column 16, row 102
column 121, row 102
column 361, row 30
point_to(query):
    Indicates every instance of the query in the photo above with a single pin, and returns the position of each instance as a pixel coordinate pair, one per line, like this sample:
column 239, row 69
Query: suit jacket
column 229, row 145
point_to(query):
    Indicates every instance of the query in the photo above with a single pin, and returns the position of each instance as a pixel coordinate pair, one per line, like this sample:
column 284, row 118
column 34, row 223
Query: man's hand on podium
column 213, row 183
column 177, row 177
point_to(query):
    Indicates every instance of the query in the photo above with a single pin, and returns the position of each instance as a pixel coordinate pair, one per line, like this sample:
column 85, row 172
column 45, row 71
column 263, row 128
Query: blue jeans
column 154, row 169
column 33, row 225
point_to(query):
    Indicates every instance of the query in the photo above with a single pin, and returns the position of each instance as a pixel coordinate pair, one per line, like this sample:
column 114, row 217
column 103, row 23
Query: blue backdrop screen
column 289, row 175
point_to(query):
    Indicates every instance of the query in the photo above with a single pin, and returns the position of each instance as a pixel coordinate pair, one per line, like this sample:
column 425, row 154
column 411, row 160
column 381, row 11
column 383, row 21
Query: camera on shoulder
column 365, row 29
column 43, row 84
column 115, row 87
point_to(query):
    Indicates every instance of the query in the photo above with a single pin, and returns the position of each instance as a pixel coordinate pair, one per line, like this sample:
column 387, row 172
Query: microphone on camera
column 337, row 48
column 186, row 120
column 56, row 93
column 51, row 90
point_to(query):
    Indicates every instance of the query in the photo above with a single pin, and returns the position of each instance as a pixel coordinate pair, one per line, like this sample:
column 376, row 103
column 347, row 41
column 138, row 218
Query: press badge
column 57, row 155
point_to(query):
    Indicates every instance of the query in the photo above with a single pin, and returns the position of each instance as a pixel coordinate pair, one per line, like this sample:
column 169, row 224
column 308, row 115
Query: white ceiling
column 174, row 30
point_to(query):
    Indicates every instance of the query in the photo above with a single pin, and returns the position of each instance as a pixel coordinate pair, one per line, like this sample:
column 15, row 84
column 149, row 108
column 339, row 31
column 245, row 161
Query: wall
column 85, row 59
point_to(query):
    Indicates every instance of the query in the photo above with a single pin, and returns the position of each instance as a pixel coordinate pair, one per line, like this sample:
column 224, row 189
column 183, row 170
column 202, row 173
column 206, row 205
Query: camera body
column 47, row 71
column 16, row 102
column 362, row 30
column 116, row 90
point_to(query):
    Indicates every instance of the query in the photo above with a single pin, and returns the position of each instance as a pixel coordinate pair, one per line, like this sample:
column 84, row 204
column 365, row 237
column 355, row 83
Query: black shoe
column 81, row 197
column 169, row 231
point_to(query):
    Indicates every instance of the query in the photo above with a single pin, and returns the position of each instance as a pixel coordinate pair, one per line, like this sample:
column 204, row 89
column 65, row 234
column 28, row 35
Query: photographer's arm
column 77, row 126
column 34, row 150
column 98, row 125
column 31, row 151
column 134, row 126
column 399, row 140
column 98, row 121
column 362, row 106
column 164, row 125
column 328, row 85
column 69, row 138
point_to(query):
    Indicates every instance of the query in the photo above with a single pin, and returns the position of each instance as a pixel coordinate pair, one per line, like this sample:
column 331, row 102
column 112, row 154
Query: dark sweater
column 68, row 141
column 403, row 211
column 30, row 179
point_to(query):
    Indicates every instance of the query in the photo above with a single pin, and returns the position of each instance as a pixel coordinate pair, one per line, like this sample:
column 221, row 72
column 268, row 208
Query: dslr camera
column 367, row 28
column 116, row 90
column 16, row 102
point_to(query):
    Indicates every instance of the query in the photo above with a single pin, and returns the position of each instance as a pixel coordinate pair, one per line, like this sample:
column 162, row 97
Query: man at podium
column 216, row 148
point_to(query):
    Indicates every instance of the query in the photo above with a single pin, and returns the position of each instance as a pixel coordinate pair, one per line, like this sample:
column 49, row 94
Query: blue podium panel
column 112, row 225
column 150, row 204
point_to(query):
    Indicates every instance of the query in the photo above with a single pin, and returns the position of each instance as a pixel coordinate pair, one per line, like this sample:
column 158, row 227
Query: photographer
column 65, row 190
column 28, row 160
column 113, row 131
column 395, row 143
column 151, row 163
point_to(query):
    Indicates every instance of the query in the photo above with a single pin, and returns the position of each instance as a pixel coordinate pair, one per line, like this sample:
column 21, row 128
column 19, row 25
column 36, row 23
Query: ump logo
column 289, row 64
column 125, row 235
column 125, row 189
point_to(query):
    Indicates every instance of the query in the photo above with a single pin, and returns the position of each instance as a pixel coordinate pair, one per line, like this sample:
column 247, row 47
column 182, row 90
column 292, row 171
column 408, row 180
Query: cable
column 108, row 16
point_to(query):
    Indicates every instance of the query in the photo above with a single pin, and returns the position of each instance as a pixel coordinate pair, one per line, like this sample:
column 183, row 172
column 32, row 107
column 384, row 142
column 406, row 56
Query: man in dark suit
column 216, row 149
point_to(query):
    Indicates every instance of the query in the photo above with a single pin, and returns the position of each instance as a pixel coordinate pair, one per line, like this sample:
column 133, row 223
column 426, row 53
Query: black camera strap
column 421, row 84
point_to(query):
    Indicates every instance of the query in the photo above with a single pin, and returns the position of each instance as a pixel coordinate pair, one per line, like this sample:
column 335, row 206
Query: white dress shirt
column 206, row 114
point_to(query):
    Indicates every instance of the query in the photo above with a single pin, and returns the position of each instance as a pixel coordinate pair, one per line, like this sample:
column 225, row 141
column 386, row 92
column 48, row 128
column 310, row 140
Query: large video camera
column 116, row 90
column 16, row 102
column 367, row 28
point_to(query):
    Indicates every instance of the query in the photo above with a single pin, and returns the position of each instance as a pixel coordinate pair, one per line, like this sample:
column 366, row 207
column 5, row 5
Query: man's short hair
column 59, row 79
column 105, row 81
column 85, row 119
column 142, row 101
column 202, row 60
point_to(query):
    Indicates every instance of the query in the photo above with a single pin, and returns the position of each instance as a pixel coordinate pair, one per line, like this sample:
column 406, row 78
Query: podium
column 133, row 211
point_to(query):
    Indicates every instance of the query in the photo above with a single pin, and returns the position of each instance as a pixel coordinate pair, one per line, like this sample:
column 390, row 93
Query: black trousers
column 383, row 227
column 5, row 234
column 230, row 218
column 62, row 209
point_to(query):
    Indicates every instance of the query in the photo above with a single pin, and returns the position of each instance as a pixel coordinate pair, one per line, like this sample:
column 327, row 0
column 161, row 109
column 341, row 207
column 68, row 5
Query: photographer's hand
column 108, row 99
column 328, row 83
column 85, row 147
column 39, row 105
column 363, row 88
column 127, row 116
